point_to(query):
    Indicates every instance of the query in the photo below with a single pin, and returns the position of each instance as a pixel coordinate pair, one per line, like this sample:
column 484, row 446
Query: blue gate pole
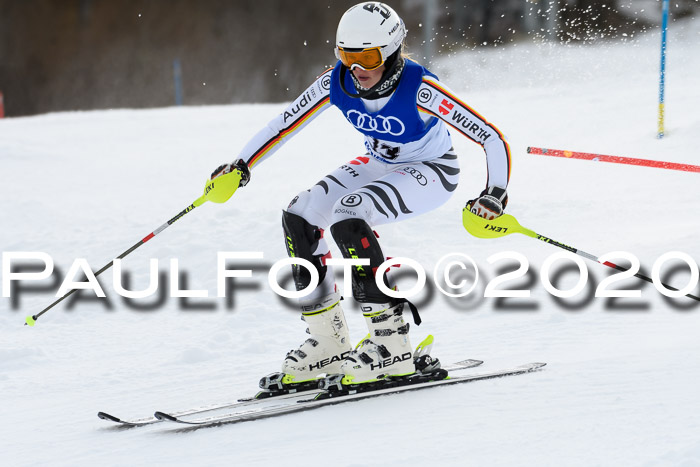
column 177, row 76
column 662, row 76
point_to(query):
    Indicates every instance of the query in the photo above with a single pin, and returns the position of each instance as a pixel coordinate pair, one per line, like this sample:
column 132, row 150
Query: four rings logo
column 420, row 178
column 379, row 124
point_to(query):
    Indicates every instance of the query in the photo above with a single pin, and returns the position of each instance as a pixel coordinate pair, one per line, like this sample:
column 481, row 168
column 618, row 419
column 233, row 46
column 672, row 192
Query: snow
column 621, row 383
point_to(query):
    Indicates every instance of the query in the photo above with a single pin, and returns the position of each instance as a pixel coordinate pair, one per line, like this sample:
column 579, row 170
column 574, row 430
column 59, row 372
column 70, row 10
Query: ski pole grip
column 222, row 187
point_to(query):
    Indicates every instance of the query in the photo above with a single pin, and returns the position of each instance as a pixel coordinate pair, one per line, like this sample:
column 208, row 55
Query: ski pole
column 614, row 159
column 217, row 191
column 507, row 224
column 662, row 71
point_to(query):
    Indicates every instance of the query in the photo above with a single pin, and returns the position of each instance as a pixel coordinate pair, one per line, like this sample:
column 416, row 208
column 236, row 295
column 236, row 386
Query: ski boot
column 384, row 358
column 321, row 353
column 386, row 350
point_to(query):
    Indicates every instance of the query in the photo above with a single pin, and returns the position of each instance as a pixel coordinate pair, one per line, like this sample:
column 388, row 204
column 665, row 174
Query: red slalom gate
column 2, row 106
column 614, row 159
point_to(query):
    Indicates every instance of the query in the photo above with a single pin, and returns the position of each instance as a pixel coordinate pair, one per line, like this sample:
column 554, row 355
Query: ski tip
column 471, row 362
column 165, row 416
column 533, row 366
column 108, row 417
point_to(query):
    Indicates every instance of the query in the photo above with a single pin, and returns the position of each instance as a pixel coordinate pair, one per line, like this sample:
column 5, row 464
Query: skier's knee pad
column 352, row 206
column 307, row 205
column 356, row 239
column 301, row 240
column 299, row 204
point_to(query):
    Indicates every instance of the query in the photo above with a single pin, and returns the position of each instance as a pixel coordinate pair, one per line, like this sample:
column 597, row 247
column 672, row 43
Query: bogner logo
column 390, row 361
column 327, row 361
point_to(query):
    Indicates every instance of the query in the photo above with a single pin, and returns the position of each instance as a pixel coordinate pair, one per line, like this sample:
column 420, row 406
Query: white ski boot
column 322, row 353
column 385, row 352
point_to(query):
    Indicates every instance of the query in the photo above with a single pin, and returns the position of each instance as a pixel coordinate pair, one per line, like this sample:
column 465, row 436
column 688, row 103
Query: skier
column 408, row 168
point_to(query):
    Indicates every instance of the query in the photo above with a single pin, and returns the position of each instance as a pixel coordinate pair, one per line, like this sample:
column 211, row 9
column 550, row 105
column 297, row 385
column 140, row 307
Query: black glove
column 227, row 168
column 490, row 203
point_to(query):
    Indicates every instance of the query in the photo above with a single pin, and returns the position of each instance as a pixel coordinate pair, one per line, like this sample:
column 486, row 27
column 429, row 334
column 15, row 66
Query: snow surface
column 621, row 385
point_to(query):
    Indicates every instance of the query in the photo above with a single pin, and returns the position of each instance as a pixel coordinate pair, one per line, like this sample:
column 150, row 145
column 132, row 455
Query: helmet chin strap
column 368, row 92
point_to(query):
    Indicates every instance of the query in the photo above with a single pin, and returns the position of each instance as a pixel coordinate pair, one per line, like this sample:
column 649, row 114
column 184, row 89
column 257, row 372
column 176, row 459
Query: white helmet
column 369, row 25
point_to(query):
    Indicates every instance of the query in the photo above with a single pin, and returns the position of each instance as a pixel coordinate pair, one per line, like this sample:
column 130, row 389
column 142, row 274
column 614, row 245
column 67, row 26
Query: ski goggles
column 367, row 59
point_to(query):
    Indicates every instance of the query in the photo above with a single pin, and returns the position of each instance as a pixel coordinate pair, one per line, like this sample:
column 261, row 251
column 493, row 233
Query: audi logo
column 379, row 124
column 420, row 178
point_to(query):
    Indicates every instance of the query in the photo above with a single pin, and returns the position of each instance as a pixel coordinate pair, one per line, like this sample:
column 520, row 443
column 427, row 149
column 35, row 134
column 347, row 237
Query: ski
column 203, row 409
column 247, row 401
column 135, row 422
column 325, row 398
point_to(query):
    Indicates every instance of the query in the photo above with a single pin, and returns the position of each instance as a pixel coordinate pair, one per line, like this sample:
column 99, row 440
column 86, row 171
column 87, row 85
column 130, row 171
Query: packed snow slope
column 621, row 385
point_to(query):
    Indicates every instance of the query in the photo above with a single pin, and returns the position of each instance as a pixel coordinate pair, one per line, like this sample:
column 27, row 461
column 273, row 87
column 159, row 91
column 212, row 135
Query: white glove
column 490, row 204
column 227, row 168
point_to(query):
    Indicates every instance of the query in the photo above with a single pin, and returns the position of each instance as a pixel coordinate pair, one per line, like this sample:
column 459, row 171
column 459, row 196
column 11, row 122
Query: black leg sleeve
column 301, row 240
column 356, row 239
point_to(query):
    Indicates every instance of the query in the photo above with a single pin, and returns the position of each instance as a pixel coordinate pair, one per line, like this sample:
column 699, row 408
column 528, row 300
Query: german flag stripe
column 459, row 101
column 424, row 110
column 505, row 143
column 428, row 111
column 454, row 98
column 272, row 142
column 325, row 72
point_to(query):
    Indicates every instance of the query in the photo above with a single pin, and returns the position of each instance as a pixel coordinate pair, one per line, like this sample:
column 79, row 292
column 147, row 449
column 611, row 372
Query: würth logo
column 360, row 160
column 445, row 107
